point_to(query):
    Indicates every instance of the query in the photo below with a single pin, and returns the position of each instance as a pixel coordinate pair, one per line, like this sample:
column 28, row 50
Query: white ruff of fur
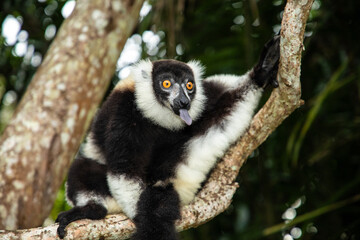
column 203, row 151
column 150, row 106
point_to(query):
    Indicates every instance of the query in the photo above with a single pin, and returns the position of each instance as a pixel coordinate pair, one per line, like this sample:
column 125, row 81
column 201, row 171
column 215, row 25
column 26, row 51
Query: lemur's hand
column 265, row 71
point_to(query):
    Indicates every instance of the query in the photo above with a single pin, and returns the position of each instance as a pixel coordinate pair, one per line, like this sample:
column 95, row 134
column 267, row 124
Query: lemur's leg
column 157, row 209
column 126, row 190
column 86, row 191
column 153, row 208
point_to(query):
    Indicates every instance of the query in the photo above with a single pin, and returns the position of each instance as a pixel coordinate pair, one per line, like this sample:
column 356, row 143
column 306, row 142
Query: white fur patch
column 150, row 107
column 126, row 192
column 197, row 68
column 83, row 198
column 112, row 205
column 203, row 151
column 229, row 80
column 92, row 151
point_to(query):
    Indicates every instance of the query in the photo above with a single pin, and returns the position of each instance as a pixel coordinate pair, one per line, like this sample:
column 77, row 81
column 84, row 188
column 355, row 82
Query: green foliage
column 309, row 166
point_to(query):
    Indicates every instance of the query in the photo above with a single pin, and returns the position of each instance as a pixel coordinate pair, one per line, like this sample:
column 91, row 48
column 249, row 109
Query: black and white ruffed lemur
column 157, row 137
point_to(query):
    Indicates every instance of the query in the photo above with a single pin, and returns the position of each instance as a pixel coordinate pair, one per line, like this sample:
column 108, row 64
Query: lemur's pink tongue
column 184, row 115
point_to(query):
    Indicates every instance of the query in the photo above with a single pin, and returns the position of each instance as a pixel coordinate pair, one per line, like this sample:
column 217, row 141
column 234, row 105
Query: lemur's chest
column 166, row 153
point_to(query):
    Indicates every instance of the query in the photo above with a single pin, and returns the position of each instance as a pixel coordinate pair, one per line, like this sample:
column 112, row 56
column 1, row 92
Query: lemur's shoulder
column 126, row 84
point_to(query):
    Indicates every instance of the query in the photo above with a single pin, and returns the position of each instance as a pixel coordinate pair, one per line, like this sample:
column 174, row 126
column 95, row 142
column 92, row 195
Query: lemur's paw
column 61, row 219
column 265, row 71
column 90, row 211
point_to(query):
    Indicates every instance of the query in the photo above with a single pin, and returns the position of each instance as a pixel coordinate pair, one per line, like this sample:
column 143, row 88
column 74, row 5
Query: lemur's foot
column 89, row 211
column 265, row 71
column 157, row 210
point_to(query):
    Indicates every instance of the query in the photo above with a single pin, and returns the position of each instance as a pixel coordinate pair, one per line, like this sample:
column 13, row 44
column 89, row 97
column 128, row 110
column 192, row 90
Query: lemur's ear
column 142, row 70
column 197, row 68
column 265, row 71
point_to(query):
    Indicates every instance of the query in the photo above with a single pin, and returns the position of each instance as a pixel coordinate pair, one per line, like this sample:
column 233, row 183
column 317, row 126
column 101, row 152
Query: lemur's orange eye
column 189, row 85
column 166, row 84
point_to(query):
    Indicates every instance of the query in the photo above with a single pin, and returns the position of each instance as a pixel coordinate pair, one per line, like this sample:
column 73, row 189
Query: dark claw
column 275, row 83
column 61, row 231
column 273, row 79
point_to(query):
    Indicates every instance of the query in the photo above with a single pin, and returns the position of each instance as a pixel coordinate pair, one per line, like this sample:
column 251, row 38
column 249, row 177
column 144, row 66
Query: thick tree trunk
column 37, row 146
column 216, row 195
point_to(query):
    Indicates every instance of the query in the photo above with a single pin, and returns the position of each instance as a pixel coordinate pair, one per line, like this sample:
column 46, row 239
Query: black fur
column 265, row 71
column 220, row 104
column 158, row 209
column 136, row 147
column 178, row 69
column 87, row 175
column 125, row 137
column 132, row 144
column 84, row 175
column 177, row 72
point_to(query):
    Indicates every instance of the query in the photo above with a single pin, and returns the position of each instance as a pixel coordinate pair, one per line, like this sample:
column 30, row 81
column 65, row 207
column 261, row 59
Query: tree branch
column 216, row 195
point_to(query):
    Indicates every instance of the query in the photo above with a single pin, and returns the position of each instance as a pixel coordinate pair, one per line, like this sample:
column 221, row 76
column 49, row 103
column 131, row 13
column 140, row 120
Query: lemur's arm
column 231, row 102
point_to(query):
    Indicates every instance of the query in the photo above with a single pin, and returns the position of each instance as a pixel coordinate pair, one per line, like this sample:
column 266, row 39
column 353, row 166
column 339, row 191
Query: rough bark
column 216, row 195
column 37, row 146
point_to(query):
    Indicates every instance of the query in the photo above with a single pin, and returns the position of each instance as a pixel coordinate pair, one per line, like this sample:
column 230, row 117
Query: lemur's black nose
column 184, row 102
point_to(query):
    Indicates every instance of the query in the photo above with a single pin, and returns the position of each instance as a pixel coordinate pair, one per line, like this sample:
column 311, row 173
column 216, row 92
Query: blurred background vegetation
column 304, row 181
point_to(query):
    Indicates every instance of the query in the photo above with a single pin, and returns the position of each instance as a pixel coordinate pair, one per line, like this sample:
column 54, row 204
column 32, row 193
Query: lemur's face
column 174, row 86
